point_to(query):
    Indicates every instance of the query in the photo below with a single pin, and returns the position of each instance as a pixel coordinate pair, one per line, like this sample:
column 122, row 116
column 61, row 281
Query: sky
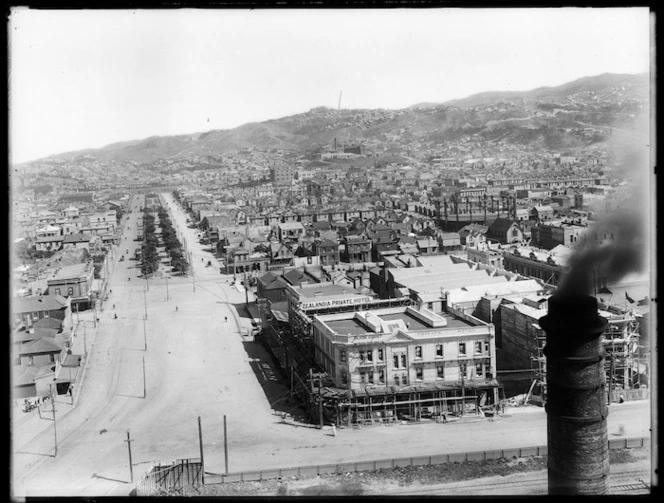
column 88, row 78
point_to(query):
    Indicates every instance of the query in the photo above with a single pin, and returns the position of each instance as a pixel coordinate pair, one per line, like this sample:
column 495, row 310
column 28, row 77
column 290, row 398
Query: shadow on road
column 97, row 476
column 47, row 455
column 273, row 381
column 242, row 310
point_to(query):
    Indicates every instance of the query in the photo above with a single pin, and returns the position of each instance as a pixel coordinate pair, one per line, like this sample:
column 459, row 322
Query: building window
column 57, row 291
column 418, row 351
column 478, row 348
column 462, row 370
column 51, row 358
column 479, row 369
column 396, row 380
column 342, row 356
column 371, row 377
column 486, row 346
column 31, row 360
column 396, row 361
column 440, row 372
column 369, row 355
column 462, row 349
column 363, row 378
column 70, row 290
column 439, row 350
column 361, row 356
column 344, row 377
column 403, row 361
column 404, row 379
column 380, row 355
column 419, row 374
column 381, row 376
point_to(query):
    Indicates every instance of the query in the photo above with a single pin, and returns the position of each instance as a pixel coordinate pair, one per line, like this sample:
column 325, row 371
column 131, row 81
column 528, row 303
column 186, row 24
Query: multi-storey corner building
column 406, row 362
column 402, row 346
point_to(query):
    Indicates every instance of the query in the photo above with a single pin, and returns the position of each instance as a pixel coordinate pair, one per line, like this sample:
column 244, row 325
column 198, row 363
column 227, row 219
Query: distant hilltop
column 521, row 117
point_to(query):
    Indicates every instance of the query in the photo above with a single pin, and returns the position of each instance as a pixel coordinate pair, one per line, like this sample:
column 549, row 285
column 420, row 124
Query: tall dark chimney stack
column 576, row 406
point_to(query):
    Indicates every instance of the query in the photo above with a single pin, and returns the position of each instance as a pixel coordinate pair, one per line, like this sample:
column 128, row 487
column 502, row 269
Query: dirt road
column 156, row 381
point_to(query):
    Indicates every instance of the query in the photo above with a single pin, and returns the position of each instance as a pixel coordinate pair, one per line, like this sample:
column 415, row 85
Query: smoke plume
column 626, row 247
column 594, row 261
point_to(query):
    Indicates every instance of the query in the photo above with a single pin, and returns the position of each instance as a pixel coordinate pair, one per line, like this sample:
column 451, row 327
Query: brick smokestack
column 576, row 407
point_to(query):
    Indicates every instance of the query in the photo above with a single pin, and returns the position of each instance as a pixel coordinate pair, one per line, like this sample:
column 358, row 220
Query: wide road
column 154, row 377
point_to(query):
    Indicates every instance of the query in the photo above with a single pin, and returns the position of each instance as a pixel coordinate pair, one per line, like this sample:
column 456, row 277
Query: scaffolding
column 538, row 361
column 621, row 343
column 621, row 364
column 426, row 401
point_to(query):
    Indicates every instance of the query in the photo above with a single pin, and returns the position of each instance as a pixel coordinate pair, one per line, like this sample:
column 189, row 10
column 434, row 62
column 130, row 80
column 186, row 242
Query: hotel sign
column 351, row 301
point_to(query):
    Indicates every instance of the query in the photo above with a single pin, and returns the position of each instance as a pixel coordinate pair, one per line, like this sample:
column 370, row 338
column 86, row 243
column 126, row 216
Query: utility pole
column 85, row 342
column 145, row 303
column 320, row 401
column 225, row 446
column 145, row 337
column 144, row 385
column 463, row 389
column 200, row 443
column 611, row 371
column 166, row 288
column 55, row 433
column 246, row 289
column 131, row 467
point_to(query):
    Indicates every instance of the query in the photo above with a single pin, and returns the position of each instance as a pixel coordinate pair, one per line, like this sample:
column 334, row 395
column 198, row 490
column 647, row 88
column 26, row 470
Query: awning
column 280, row 315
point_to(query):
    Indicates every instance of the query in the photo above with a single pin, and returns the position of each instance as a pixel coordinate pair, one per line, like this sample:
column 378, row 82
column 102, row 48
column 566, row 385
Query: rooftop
column 71, row 271
column 390, row 320
column 38, row 303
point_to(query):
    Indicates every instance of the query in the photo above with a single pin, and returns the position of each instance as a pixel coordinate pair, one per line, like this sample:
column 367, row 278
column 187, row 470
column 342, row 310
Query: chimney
column 576, row 407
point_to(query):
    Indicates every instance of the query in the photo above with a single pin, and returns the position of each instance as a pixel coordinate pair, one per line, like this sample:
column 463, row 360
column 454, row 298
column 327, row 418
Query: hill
column 539, row 117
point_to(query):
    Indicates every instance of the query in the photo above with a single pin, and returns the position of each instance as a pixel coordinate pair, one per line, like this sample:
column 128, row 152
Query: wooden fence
column 361, row 466
column 166, row 478
column 630, row 394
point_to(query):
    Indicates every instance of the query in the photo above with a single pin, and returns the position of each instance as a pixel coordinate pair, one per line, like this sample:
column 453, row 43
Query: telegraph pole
column 200, row 443
column 145, row 303
column 85, row 342
column 144, row 394
column 320, row 401
column 55, row 433
column 246, row 289
column 463, row 389
column 131, row 467
column 145, row 337
column 166, row 288
column 225, row 446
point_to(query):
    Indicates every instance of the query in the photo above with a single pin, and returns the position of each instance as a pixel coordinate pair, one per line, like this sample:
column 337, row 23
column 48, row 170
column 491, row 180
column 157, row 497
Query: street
column 171, row 356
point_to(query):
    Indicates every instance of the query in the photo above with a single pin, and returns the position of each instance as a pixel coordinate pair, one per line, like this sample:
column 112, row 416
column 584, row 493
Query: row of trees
column 172, row 243
column 149, row 254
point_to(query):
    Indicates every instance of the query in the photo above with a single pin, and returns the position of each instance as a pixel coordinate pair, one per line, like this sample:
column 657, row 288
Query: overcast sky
column 85, row 79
